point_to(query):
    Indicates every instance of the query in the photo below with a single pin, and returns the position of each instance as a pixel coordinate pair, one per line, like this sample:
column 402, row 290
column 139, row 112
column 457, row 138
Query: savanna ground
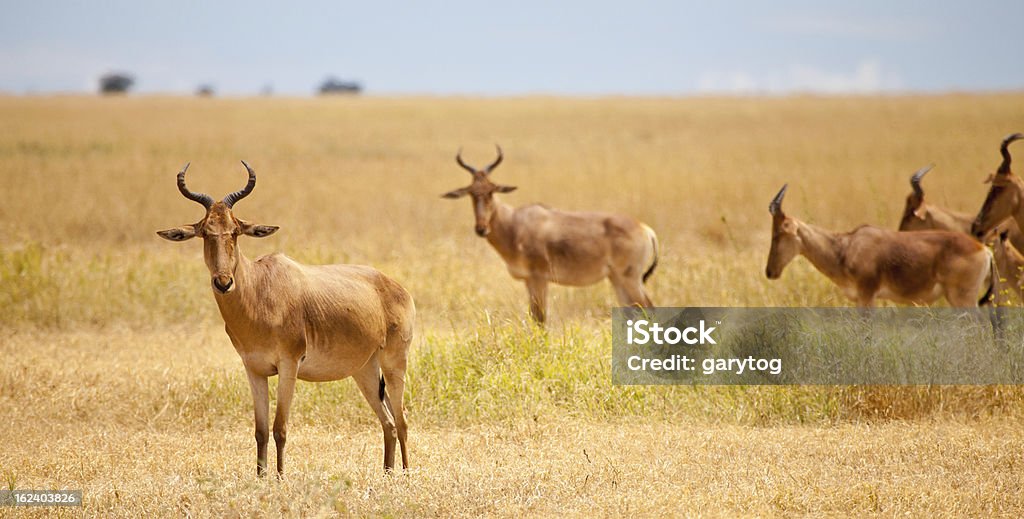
column 119, row 380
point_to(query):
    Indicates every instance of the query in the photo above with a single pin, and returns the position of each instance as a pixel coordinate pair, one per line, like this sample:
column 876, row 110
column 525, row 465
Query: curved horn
column 195, row 197
column 1004, row 168
column 497, row 161
column 776, row 206
column 915, row 179
column 467, row 167
column 238, row 195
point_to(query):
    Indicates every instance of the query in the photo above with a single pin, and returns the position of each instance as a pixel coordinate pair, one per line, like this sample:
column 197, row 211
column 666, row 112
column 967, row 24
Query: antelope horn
column 776, row 206
column 497, row 161
column 915, row 179
column 1004, row 168
column 467, row 167
column 195, row 197
column 238, row 195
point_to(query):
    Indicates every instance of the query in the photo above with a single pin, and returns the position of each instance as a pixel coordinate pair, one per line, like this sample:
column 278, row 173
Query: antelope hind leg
column 368, row 380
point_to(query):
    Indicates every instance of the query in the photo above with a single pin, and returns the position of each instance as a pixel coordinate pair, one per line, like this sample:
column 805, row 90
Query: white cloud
column 884, row 29
column 867, row 77
column 731, row 82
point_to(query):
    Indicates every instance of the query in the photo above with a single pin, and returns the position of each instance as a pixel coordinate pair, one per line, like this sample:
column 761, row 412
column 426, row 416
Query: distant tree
column 333, row 85
column 205, row 90
column 267, row 90
column 116, row 83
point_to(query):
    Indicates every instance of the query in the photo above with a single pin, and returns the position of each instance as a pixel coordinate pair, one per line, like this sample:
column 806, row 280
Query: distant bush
column 333, row 85
column 116, row 83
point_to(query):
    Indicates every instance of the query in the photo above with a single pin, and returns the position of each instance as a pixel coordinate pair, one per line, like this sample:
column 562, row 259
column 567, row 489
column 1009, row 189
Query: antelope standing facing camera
column 541, row 245
column 869, row 263
column 315, row 323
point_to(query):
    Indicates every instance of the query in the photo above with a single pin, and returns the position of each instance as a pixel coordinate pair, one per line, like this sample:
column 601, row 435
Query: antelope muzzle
column 223, row 283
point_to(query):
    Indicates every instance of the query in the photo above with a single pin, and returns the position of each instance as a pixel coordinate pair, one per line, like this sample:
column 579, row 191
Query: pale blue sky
column 575, row 47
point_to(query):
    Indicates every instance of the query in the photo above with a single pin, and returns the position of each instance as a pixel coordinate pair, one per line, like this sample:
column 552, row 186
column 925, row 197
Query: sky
column 523, row 47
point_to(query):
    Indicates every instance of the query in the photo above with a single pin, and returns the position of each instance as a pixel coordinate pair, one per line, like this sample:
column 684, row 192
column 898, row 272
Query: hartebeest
column 541, row 245
column 1004, row 199
column 870, row 262
column 1010, row 262
column 315, row 323
column 919, row 215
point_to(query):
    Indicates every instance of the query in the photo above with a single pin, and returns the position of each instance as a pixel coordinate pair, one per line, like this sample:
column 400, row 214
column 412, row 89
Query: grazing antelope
column 1010, row 262
column 869, row 262
column 541, row 245
column 315, row 323
column 921, row 216
column 1004, row 197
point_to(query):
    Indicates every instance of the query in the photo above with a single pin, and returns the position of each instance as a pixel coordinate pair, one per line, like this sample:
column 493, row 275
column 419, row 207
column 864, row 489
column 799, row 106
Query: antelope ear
column 258, row 231
column 182, row 233
column 919, row 213
column 506, row 189
column 990, row 178
column 458, row 193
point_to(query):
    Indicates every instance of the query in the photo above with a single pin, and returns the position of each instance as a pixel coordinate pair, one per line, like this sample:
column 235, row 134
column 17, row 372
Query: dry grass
column 157, row 424
column 119, row 380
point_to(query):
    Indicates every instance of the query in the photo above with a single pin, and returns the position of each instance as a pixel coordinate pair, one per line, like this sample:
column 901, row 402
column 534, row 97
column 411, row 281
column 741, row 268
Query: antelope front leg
column 261, row 405
column 631, row 292
column 538, row 289
column 866, row 300
column 287, row 372
column 866, row 292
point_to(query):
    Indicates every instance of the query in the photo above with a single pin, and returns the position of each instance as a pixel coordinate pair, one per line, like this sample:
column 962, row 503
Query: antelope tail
column 993, row 277
column 654, row 248
column 381, row 391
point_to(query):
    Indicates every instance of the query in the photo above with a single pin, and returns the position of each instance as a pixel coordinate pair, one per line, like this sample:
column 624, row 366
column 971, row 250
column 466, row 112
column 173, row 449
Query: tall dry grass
column 113, row 340
column 357, row 180
column 87, row 181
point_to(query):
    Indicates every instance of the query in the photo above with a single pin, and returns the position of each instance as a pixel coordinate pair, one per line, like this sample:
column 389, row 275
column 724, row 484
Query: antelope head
column 481, row 191
column 914, row 214
column 1004, row 197
column 219, row 230
column 785, row 240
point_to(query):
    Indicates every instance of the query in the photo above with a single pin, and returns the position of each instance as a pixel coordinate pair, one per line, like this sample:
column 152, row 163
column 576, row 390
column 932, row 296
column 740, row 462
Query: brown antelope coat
column 1004, row 199
column 919, row 215
column 1011, row 265
column 315, row 323
column 870, row 263
column 542, row 245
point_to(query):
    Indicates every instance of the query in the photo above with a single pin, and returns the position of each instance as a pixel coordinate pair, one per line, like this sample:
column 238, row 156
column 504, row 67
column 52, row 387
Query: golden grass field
column 119, row 380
